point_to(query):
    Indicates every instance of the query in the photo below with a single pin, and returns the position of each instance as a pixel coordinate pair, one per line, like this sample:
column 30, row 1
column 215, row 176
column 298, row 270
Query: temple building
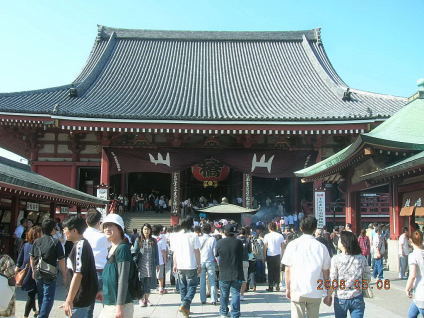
column 389, row 158
column 189, row 114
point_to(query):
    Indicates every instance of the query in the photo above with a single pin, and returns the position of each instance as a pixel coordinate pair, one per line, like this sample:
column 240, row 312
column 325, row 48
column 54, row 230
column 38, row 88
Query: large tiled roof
column 185, row 75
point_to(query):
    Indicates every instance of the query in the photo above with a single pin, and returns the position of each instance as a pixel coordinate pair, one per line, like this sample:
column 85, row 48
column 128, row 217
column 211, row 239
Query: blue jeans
column 226, row 288
column 378, row 268
column 210, row 269
column 356, row 307
column 46, row 292
column 187, row 280
column 80, row 312
column 414, row 311
column 403, row 265
column 100, row 285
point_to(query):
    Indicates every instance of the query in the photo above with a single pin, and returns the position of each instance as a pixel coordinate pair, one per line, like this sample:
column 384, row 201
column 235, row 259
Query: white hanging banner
column 320, row 208
column 103, row 193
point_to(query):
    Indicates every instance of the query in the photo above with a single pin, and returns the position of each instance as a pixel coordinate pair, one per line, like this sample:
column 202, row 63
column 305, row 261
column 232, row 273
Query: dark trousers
column 30, row 303
column 273, row 264
column 260, row 271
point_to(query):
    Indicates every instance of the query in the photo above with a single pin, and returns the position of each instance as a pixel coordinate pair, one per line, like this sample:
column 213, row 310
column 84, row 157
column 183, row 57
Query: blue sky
column 374, row 45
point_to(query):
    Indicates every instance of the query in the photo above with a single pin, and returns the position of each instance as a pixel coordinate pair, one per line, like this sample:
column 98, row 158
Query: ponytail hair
column 417, row 238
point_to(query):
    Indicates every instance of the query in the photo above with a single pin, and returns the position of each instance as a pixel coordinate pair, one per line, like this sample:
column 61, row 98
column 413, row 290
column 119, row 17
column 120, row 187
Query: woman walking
column 22, row 263
column 147, row 260
column 117, row 298
column 365, row 245
column 348, row 269
column 415, row 284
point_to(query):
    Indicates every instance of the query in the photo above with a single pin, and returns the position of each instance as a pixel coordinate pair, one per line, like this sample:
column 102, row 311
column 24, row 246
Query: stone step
column 136, row 220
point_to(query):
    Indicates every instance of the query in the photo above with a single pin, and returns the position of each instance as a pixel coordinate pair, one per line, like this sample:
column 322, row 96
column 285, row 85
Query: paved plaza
column 391, row 303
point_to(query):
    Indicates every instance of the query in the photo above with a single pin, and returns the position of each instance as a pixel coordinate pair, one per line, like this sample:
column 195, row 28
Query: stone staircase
column 135, row 220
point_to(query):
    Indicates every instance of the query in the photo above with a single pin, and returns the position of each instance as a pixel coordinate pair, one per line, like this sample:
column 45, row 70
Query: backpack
column 135, row 287
column 257, row 249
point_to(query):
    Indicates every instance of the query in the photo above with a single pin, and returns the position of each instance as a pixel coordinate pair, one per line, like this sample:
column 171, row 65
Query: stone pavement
column 391, row 303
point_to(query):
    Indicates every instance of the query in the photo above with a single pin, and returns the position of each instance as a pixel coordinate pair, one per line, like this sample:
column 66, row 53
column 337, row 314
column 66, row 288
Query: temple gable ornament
column 160, row 160
column 262, row 163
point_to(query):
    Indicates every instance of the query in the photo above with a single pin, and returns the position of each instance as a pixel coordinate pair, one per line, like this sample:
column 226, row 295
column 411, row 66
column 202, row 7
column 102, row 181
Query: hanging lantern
column 210, row 172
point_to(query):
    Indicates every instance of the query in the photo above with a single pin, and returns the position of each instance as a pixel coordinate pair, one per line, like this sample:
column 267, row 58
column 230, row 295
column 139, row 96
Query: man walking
column 229, row 251
column 273, row 247
column 306, row 261
column 403, row 253
column 379, row 250
column 163, row 256
column 83, row 287
column 48, row 252
column 207, row 258
column 186, row 247
column 99, row 246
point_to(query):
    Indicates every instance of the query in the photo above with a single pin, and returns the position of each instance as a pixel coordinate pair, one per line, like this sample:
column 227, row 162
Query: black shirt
column 81, row 260
column 230, row 253
column 51, row 250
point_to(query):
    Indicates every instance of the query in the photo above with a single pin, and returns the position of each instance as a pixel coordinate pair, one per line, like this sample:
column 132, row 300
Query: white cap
column 115, row 219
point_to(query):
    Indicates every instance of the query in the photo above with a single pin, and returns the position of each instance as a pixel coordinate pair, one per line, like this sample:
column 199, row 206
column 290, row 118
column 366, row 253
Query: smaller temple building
column 389, row 158
column 26, row 194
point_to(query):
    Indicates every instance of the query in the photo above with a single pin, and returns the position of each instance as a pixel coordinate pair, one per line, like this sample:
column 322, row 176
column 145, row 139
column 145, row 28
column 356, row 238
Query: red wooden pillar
column 74, row 176
column 396, row 221
column 352, row 210
column 104, row 169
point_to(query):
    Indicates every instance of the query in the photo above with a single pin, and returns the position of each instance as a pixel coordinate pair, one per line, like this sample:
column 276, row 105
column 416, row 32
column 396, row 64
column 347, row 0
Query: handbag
column 20, row 276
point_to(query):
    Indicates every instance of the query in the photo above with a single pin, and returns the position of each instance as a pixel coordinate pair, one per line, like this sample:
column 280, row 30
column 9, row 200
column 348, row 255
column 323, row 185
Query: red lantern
column 210, row 170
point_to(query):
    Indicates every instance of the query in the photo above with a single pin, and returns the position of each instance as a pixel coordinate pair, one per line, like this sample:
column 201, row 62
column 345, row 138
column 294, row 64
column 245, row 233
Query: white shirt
column 99, row 244
column 403, row 245
column 162, row 246
column 417, row 258
column 307, row 258
column 207, row 248
column 273, row 241
column 183, row 244
column 19, row 231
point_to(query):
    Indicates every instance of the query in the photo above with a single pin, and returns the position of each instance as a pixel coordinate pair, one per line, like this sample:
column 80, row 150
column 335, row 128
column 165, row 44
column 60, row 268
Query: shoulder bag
column 367, row 292
column 45, row 270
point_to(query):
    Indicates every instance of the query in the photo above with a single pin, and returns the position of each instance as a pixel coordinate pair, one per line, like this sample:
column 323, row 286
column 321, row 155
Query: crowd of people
column 99, row 261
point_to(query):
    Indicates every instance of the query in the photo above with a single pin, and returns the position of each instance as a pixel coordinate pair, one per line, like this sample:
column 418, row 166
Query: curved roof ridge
column 105, row 32
column 92, row 75
column 37, row 91
column 377, row 95
column 336, row 88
